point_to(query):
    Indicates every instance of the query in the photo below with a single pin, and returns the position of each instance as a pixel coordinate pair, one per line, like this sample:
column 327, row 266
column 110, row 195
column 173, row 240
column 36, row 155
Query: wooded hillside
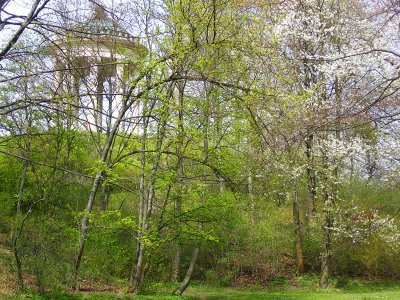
column 226, row 141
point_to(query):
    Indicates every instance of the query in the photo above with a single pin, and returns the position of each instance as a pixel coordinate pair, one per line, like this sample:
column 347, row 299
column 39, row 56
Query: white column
column 120, row 91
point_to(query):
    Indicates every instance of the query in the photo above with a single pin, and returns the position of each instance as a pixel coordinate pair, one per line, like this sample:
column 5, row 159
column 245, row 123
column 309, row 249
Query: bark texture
column 297, row 233
column 185, row 282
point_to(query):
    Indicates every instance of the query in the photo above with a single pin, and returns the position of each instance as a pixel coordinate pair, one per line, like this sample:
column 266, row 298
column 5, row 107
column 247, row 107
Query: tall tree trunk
column 20, row 278
column 331, row 197
column 311, row 178
column 147, row 205
column 99, row 99
column 251, row 197
column 297, row 234
column 26, row 154
column 218, row 124
column 178, row 208
column 189, row 273
column 104, row 197
column 185, row 282
column 136, row 267
column 21, row 185
column 179, row 174
column 92, row 196
column 176, row 264
column 327, row 225
column 136, row 273
column 21, row 188
column 85, row 224
column 17, row 234
column 326, row 255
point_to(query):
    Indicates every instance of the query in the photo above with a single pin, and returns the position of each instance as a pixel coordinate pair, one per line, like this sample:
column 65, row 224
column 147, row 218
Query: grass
column 304, row 288
column 95, row 296
column 236, row 294
column 301, row 288
column 7, row 283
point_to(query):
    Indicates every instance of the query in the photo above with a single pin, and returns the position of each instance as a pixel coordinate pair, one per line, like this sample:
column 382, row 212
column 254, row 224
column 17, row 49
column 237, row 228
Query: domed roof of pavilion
column 101, row 26
column 100, row 33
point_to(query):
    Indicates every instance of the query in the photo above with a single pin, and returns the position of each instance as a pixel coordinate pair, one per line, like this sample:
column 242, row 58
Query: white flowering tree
column 341, row 79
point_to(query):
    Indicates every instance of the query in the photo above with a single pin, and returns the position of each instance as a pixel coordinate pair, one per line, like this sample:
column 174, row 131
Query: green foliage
column 111, row 246
column 218, row 278
column 255, row 253
column 46, row 247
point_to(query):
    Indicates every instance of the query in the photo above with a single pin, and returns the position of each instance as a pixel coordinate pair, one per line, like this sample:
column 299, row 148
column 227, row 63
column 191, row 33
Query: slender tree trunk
column 136, row 274
column 251, row 197
column 92, row 196
column 331, row 197
column 179, row 174
column 177, row 264
column 297, row 233
column 18, row 232
column 189, row 273
column 309, row 81
column 137, row 269
column 99, row 98
column 15, row 240
column 311, row 178
column 73, row 107
column 328, row 197
column 218, row 125
column 104, row 197
column 178, row 208
column 110, row 99
column 185, row 282
column 84, row 225
column 21, row 186
column 26, row 162
column 20, row 278
column 326, row 255
column 327, row 227
column 18, row 263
